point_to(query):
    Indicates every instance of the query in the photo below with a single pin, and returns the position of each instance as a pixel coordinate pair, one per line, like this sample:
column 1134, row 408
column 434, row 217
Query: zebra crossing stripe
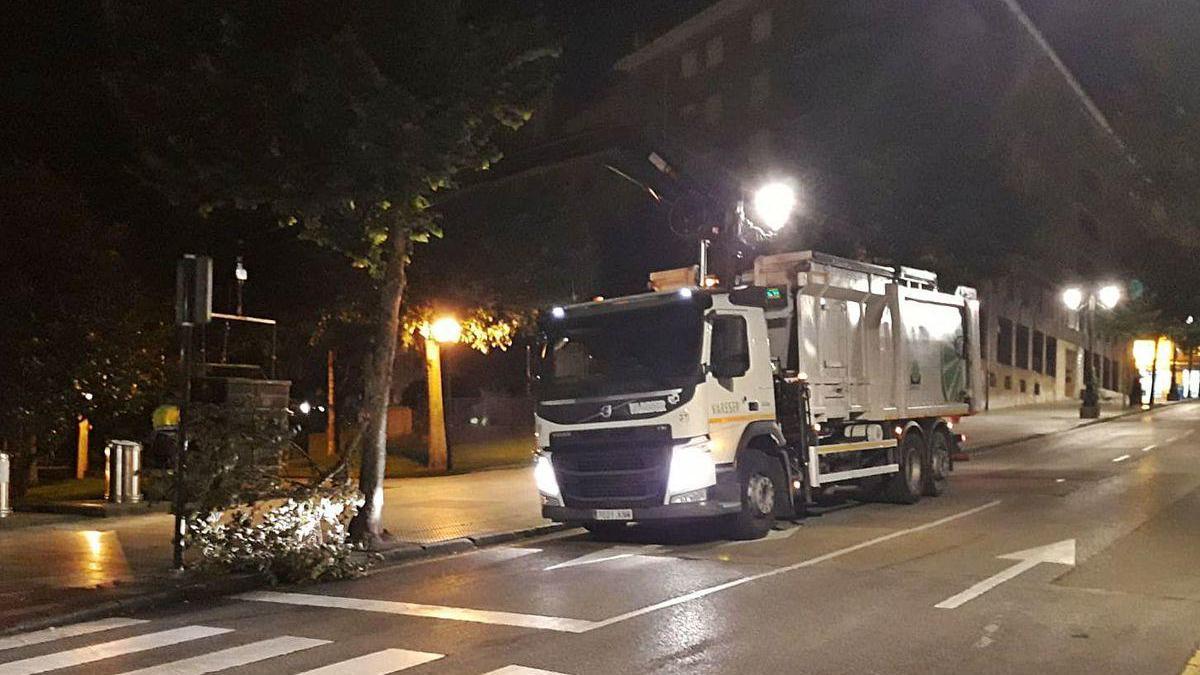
column 378, row 663
column 522, row 670
column 431, row 611
column 73, row 630
column 233, row 657
column 106, row 650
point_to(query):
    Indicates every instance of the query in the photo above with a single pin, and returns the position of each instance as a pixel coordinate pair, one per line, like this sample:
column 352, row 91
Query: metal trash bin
column 122, row 472
column 5, row 509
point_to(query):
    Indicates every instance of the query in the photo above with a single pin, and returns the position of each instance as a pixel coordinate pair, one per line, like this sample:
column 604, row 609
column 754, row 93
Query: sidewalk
column 1009, row 425
column 52, row 564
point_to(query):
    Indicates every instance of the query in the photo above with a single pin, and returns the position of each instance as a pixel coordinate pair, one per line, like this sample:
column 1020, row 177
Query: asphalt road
column 1078, row 553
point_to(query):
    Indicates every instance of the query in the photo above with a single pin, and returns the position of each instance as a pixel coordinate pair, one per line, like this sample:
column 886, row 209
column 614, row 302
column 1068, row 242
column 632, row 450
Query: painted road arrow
column 1060, row 553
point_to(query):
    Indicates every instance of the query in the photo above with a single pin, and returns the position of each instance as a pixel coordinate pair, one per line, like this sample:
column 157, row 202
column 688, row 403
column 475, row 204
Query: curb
column 233, row 584
column 1022, row 439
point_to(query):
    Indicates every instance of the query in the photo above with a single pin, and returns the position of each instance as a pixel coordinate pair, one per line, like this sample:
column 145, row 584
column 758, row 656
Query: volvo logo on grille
column 606, row 411
column 643, row 407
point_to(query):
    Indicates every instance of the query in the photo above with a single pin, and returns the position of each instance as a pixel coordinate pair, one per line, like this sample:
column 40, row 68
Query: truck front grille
column 612, row 468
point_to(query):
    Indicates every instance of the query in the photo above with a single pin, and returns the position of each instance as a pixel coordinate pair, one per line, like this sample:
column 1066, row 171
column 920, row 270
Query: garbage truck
column 741, row 405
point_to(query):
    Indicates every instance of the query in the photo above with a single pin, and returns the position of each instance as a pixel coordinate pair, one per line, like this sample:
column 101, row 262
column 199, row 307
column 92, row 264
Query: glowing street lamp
column 1075, row 299
column 444, row 330
column 774, row 204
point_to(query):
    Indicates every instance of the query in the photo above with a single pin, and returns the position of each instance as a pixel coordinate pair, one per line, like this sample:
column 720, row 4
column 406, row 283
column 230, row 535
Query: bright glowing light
column 1072, row 298
column 1109, row 295
column 558, row 312
column 87, row 396
column 685, row 292
column 692, row 467
column 305, row 407
column 773, row 205
column 446, row 329
column 1190, row 319
column 240, row 273
column 710, row 281
column 543, row 475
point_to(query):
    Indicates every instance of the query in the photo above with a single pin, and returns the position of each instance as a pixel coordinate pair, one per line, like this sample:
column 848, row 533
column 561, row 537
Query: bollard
column 4, row 471
column 133, row 471
column 114, row 474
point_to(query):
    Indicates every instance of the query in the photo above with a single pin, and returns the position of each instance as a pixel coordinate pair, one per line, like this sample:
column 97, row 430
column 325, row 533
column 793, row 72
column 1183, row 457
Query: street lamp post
column 1076, row 298
column 445, row 330
column 771, row 208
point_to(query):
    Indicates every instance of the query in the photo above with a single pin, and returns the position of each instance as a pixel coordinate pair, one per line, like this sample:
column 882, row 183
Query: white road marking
column 429, row 611
column 1148, row 448
column 1062, row 553
column 789, row 568
column 521, row 670
column 1178, row 437
column 233, row 657
column 1060, row 480
column 605, row 555
column 106, row 650
column 1122, row 458
column 73, row 630
column 378, row 663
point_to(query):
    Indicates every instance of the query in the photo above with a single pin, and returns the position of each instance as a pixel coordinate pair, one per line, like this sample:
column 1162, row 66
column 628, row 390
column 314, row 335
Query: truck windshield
column 621, row 352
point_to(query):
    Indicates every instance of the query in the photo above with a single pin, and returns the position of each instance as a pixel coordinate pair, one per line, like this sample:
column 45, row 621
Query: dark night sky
column 1140, row 60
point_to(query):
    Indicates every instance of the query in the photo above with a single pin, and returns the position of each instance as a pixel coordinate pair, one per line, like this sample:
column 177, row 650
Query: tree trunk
column 367, row 526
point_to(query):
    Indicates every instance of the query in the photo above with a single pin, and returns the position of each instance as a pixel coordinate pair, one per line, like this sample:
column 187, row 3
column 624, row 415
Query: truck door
column 740, row 386
column 834, row 338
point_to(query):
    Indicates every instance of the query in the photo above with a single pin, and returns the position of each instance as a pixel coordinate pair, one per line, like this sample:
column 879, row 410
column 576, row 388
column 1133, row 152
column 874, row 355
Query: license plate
column 614, row 514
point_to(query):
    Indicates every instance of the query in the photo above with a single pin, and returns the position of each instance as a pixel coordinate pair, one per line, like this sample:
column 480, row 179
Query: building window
column 714, row 51
column 712, row 109
column 760, row 88
column 1008, row 382
column 991, row 379
column 1004, row 344
column 760, row 26
column 1037, row 388
column 688, row 64
column 1039, row 351
column 1022, row 386
column 1052, row 357
column 1022, row 347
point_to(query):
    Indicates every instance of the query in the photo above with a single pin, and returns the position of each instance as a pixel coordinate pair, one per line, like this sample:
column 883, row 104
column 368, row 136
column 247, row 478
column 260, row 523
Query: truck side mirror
column 730, row 347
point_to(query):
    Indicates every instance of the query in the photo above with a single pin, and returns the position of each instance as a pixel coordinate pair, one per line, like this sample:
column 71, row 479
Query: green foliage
column 343, row 119
column 81, row 336
column 295, row 539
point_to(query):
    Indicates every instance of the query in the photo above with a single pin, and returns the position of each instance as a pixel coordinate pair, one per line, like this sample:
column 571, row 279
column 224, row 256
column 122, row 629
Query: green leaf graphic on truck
column 954, row 369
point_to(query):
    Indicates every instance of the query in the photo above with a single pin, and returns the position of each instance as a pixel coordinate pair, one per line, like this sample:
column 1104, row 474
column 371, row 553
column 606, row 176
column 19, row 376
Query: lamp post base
column 1089, row 412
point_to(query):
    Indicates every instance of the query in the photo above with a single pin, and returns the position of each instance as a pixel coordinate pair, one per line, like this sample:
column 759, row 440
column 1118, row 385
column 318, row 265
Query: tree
column 81, row 339
column 343, row 119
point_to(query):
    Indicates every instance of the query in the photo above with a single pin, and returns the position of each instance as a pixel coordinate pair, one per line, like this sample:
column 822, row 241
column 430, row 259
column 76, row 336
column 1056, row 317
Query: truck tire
column 905, row 486
column 759, row 480
column 935, row 475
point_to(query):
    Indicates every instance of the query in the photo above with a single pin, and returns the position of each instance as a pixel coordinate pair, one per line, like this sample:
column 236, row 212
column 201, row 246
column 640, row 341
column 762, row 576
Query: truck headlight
column 543, row 475
column 692, row 467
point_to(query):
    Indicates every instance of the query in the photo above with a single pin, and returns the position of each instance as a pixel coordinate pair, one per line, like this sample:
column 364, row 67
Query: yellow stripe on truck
column 740, row 418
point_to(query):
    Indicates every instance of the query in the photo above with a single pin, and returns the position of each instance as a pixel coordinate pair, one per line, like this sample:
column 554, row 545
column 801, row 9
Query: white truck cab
column 692, row 404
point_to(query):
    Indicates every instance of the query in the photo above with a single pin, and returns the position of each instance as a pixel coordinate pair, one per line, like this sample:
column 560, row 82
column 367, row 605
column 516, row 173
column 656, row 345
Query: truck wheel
column 759, row 481
column 904, row 487
column 936, row 472
column 606, row 530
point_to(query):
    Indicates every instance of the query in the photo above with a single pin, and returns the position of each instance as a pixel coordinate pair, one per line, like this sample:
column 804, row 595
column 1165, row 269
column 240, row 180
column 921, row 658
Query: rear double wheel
column 907, row 485
column 935, row 474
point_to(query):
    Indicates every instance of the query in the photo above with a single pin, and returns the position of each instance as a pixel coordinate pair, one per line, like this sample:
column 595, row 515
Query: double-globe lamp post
column 443, row 331
column 1077, row 298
